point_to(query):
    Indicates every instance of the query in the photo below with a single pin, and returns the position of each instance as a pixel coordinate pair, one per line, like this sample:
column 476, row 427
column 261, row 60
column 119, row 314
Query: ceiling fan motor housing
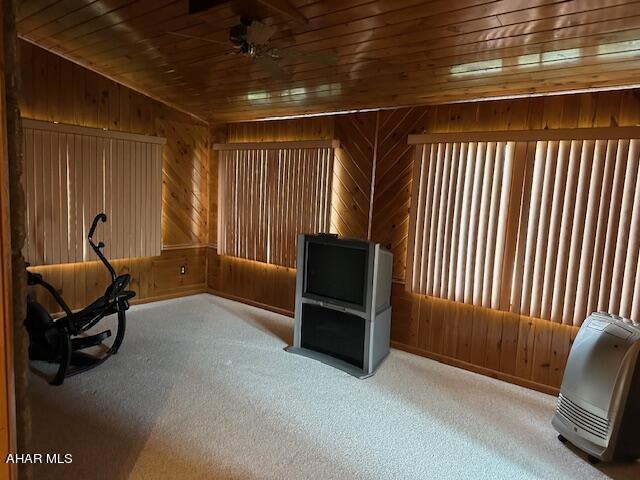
column 238, row 33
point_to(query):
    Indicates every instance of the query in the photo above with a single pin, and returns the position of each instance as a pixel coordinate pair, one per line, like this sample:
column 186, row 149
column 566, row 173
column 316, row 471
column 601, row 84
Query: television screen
column 336, row 272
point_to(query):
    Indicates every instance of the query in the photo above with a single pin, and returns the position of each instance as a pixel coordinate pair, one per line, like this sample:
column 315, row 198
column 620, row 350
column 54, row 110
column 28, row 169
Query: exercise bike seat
column 98, row 305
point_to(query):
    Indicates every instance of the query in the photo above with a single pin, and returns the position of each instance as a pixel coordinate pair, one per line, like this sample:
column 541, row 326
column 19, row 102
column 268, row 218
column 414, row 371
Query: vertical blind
column 582, row 235
column 270, row 193
column 73, row 173
column 460, row 227
column 548, row 228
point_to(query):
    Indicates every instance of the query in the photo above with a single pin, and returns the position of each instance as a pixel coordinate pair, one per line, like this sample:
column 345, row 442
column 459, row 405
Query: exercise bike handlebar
column 101, row 217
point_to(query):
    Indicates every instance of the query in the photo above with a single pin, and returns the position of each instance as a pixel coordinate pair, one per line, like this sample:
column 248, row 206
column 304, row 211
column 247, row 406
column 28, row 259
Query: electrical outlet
column 183, row 269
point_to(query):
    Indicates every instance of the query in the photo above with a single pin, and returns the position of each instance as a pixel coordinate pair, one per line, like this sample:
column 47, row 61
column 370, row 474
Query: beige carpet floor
column 202, row 389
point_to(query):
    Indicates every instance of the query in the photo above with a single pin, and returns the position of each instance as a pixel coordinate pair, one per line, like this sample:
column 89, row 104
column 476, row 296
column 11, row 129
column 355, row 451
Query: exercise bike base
column 75, row 362
column 79, row 362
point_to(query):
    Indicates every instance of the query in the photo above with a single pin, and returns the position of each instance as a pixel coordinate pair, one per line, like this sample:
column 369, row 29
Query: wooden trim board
column 94, row 132
column 246, row 301
column 169, row 296
column 185, row 246
column 277, row 145
column 556, row 134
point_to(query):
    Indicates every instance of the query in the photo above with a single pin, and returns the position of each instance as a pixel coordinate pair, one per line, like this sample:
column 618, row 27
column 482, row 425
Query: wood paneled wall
column 517, row 348
column 392, row 190
column 185, row 181
column 54, row 89
column 152, row 278
column 261, row 284
column 217, row 134
column 520, row 349
column 7, row 388
column 353, row 170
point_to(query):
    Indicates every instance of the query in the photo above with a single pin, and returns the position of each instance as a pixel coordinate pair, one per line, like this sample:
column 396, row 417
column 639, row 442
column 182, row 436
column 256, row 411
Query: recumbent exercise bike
column 61, row 340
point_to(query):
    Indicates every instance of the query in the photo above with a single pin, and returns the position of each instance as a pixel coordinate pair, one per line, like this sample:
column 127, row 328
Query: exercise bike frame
column 74, row 324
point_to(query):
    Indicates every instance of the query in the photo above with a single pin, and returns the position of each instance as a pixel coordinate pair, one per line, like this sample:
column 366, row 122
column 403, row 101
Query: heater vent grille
column 582, row 418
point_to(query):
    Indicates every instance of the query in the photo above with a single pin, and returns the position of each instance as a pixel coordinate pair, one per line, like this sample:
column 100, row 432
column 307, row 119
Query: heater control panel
column 614, row 325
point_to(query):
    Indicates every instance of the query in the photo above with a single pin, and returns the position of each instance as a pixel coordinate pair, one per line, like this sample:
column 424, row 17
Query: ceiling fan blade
column 285, row 8
column 202, row 39
column 328, row 58
column 271, row 66
column 259, row 33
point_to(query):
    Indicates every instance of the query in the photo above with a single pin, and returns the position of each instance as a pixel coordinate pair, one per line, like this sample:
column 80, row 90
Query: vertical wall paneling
column 185, row 182
column 393, row 181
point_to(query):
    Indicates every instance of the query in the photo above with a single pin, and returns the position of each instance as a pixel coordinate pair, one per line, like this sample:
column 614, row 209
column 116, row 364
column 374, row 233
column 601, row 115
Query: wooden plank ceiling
column 390, row 52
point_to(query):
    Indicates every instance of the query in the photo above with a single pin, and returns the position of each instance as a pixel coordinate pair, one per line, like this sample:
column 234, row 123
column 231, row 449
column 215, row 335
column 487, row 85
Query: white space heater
column 599, row 404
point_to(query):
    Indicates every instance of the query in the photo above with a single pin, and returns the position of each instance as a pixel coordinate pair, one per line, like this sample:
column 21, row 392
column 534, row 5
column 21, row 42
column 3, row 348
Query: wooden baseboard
column 169, row 296
column 488, row 372
column 246, row 301
column 155, row 298
column 183, row 246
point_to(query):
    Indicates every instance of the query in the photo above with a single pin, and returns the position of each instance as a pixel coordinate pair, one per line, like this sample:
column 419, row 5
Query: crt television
column 324, row 255
column 343, row 308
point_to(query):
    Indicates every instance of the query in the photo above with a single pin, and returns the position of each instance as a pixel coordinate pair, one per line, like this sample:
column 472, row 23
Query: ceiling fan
column 250, row 38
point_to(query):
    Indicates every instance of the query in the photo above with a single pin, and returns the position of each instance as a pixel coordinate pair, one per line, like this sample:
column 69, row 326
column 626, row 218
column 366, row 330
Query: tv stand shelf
column 331, row 361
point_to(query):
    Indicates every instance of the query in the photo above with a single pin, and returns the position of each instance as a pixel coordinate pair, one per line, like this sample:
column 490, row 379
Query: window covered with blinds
column 581, row 238
column 545, row 224
column 268, row 194
column 460, row 226
column 73, row 173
